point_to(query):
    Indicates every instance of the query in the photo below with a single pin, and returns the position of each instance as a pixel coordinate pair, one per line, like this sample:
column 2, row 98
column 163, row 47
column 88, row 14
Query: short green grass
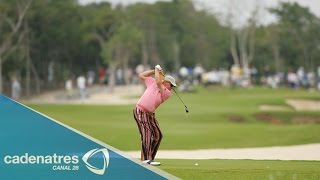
column 242, row 169
column 207, row 124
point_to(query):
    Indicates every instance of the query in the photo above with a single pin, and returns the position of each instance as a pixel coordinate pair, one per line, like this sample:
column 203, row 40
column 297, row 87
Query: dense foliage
column 77, row 38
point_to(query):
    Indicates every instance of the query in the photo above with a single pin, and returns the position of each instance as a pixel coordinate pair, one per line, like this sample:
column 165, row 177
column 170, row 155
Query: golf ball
column 196, row 164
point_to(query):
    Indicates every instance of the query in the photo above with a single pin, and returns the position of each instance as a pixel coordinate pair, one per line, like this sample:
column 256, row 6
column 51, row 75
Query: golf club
column 186, row 108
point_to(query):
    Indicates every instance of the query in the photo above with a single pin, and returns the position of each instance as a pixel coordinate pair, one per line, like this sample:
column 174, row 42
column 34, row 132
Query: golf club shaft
column 180, row 98
column 187, row 110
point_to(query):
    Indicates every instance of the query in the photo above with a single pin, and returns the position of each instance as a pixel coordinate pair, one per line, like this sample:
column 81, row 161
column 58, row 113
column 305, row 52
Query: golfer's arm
column 159, row 79
column 145, row 74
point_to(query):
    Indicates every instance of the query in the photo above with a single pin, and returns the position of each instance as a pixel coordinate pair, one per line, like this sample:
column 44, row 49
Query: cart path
column 296, row 152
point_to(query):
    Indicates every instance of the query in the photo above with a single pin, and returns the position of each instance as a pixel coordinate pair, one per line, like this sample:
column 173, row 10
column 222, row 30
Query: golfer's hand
column 158, row 67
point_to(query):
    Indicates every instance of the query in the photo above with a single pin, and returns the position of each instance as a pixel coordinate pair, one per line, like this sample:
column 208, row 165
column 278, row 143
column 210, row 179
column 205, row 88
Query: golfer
column 156, row 93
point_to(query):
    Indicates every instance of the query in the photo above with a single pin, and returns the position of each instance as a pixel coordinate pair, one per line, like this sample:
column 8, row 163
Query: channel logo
column 63, row 162
column 92, row 152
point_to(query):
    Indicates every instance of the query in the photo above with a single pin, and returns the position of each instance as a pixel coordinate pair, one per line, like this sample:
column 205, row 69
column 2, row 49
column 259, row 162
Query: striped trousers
column 150, row 133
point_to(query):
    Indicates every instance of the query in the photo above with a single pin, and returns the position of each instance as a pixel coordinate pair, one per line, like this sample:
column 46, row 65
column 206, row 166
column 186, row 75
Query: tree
column 298, row 35
column 120, row 48
column 242, row 46
column 55, row 37
column 101, row 23
column 11, row 20
column 148, row 18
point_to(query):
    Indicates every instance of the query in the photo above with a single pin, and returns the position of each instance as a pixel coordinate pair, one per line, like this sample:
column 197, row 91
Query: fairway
column 208, row 125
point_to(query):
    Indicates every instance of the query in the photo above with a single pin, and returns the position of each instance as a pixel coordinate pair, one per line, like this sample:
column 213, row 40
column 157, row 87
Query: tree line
column 71, row 39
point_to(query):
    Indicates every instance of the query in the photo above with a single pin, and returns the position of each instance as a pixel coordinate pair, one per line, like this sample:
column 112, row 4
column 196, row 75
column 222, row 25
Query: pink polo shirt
column 152, row 97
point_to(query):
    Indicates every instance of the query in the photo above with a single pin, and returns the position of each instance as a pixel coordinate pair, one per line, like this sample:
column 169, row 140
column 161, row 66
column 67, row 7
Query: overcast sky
column 241, row 9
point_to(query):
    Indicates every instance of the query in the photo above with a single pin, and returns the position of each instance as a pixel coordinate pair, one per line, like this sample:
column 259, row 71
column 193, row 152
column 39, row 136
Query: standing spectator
column 15, row 89
column 253, row 74
column 119, row 76
column 81, row 83
column 91, row 76
column 266, row 73
column 318, row 77
column 302, row 77
column 197, row 72
column 246, row 77
column 311, row 80
column 139, row 69
column 183, row 72
column 292, row 79
column 236, row 74
column 128, row 73
column 102, row 75
column 69, row 88
column 225, row 77
column 51, row 73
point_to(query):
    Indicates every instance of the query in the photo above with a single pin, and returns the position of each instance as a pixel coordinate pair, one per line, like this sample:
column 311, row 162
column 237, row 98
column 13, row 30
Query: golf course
column 234, row 87
column 218, row 118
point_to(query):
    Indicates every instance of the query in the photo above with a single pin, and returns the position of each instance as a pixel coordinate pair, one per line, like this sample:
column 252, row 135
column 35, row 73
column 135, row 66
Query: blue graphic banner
column 34, row 146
